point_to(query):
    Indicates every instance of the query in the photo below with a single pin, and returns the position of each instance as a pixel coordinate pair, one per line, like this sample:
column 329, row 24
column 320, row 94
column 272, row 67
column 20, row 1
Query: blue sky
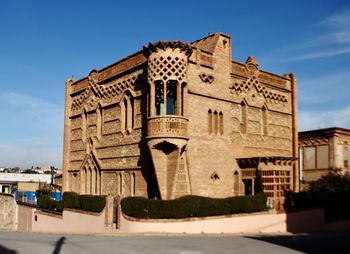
column 43, row 43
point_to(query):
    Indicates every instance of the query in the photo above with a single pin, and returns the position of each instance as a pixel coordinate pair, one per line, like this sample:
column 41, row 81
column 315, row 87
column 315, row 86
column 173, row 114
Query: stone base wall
column 264, row 222
column 7, row 211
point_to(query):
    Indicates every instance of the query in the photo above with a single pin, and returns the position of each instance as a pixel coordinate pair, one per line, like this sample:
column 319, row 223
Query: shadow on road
column 311, row 243
column 58, row 245
column 4, row 250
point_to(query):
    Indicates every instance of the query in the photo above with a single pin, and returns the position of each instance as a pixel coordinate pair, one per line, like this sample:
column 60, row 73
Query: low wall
column 25, row 214
column 71, row 221
column 79, row 222
column 298, row 222
column 249, row 223
column 7, row 211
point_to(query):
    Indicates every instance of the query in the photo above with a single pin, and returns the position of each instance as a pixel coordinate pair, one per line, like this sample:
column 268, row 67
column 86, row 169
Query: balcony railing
column 167, row 126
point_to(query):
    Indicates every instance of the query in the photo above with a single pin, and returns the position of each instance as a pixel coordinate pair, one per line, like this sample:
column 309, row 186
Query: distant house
column 9, row 182
column 322, row 151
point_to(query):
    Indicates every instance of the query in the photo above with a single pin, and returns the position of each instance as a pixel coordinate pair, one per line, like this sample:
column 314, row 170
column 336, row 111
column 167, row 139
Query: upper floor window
column 83, row 126
column 221, row 123
column 99, row 122
column 215, row 122
column 127, row 113
column 310, row 157
column 263, row 121
column 171, row 97
column 159, row 86
column 243, row 117
column 316, row 157
column 210, row 121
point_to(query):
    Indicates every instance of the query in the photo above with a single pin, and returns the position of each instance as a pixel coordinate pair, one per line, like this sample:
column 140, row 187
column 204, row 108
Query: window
column 171, row 98
column 210, row 121
column 309, row 158
column 127, row 114
column 83, row 126
column 99, row 122
column 263, row 121
column 243, row 117
column 215, row 120
column 159, row 98
column 221, row 123
column 322, row 155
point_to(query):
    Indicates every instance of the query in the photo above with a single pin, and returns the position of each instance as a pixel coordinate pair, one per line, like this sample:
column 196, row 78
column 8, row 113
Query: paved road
column 20, row 243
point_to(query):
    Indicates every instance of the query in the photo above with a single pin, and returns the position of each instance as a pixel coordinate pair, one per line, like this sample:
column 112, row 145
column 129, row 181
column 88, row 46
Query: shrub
column 71, row 200
column 331, row 183
column 92, row 203
column 84, row 202
column 331, row 192
column 191, row 206
column 45, row 202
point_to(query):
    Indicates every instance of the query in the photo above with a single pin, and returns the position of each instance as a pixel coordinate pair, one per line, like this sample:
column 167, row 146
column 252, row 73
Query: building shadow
column 58, row 245
column 310, row 243
column 4, row 250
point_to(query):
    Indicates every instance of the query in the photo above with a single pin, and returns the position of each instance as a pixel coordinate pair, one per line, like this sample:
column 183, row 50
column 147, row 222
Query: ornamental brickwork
column 181, row 118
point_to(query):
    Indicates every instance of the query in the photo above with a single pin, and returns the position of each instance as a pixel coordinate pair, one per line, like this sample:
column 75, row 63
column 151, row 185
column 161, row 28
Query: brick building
column 323, row 151
column 181, row 118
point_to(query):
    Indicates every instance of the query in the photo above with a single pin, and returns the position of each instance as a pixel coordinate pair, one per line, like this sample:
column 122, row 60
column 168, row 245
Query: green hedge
column 45, row 202
column 72, row 200
column 191, row 206
column 92, row 203
column 84, row 202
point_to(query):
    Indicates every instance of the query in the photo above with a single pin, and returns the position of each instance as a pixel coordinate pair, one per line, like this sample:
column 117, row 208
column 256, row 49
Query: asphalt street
column 20, row 243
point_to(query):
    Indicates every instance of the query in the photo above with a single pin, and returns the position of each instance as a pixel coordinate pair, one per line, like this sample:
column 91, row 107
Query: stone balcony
column 167, row 127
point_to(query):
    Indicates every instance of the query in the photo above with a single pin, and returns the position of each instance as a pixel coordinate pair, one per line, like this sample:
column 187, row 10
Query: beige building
column 322, row 151
column 181, row 118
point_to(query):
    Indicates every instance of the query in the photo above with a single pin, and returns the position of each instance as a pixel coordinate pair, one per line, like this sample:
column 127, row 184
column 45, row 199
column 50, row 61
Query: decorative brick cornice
column 102, row 92
column 245, row 86
column 154, row 47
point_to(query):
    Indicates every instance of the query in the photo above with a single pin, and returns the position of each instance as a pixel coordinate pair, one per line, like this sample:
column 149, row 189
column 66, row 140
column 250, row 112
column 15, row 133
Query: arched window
column 159, row 98
column 210, row 121
column 215, row 119
column 95, row 180
column 243, row 117
column 183, row 99
column 99, row 122
column 127, row 114
column 263, row 121
column 221, row 123
column 171, row 97
column 83, row 126
column 126, row 110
